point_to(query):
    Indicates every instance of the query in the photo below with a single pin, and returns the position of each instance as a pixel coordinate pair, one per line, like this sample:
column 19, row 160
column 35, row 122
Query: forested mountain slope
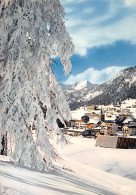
column 122, row 87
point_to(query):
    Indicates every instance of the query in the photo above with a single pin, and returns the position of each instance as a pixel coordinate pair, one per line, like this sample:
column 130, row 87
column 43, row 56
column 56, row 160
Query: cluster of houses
column 112, row 121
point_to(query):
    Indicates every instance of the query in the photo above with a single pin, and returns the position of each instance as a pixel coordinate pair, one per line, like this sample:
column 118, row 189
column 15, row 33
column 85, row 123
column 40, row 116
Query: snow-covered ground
column 78, row 113
column 127, row 103
column 18, row 181
column 92, row 170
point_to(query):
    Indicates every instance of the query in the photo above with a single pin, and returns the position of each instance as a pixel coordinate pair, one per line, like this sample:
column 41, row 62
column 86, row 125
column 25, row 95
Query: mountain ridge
column 121, row 87
column 78, row 85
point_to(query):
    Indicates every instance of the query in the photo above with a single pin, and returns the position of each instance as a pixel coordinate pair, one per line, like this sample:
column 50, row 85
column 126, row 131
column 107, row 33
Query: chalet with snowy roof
column 97, row 130
column 119, row 120
column 110, row 116
column 79, row 124
column 129, row 120
column 129, row 130
column 76, row 124
column 108, row 123
column 109, row 128
column 122, row 114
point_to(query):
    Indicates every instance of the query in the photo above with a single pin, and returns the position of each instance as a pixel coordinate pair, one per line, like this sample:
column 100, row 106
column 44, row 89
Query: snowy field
column 92, row 170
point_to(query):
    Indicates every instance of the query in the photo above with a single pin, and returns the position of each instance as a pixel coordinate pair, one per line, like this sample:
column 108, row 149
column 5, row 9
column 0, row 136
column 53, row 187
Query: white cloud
column 114, row 25
column 95, row 76
column 130, row 2
column 88, row 37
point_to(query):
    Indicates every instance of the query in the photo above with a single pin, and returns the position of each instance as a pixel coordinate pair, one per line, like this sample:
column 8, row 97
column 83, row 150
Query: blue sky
column 104, row 34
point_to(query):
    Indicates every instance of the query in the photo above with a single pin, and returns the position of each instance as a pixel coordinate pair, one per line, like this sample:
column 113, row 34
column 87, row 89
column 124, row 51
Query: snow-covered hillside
column 77, row 92
column 92, row 170
column 31, row 100
column 122, row 87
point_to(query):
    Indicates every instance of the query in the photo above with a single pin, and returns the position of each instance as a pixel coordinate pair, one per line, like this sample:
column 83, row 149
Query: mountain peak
column 82, row 84
column 79, row 85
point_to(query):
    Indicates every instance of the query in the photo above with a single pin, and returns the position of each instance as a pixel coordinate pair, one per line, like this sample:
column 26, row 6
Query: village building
column 79, row 124
column 116, row 142
column 108, row 123
column 122, row 114
column 103, row 131
column 97, row 130
column 110, row 116
column 129, row 120
column 129, row 130
column 106, row 141
column 89, row 125
column 111, row 130
column 70, row 123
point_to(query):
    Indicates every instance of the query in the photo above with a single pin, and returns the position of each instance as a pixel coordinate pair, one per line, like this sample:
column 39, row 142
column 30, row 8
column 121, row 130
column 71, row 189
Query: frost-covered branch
column 31, row 33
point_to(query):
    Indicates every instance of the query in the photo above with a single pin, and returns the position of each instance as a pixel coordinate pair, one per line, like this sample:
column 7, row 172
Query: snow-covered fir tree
column 32, row 32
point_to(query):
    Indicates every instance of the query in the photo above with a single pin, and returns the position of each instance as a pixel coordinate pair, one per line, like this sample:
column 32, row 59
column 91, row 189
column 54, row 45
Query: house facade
column 89, row 126
column 129, row 130
column 79, row 124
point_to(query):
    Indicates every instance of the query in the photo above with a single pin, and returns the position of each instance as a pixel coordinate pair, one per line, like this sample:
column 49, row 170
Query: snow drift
column 32, row 32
